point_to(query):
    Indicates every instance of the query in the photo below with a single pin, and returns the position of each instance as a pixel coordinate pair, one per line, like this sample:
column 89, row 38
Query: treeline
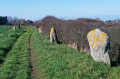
column 7, row 20
column 74, row 32
column 3, row 20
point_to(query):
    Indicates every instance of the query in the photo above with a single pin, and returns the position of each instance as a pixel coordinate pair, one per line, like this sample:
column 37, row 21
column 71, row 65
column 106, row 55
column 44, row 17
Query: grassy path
column 34, row 72
column 48, row 60
column 56, row 61
column 7, row 39
column 17, row 64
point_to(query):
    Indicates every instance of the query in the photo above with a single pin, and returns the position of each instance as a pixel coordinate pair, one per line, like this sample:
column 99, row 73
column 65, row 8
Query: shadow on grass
column 5, row 51
column 115, row 63
column 58, row 42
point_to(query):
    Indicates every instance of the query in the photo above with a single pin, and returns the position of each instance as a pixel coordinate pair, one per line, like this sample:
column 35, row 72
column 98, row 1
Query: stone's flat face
column 53, row 35
column 98, row 42
column 97, row 38
column 52, row 31
column 20, row 26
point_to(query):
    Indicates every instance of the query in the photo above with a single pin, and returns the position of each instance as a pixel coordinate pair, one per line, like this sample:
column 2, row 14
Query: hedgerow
column 75, row 31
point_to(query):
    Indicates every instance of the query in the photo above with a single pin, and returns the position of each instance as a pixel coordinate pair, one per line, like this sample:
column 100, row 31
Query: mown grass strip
column 7, row 39
column 17, row 64
column 56, row 61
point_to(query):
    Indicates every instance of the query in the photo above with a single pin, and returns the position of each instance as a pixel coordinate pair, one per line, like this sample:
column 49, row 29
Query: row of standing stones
column 98, row 41
column 15, row 27
column 53, row 36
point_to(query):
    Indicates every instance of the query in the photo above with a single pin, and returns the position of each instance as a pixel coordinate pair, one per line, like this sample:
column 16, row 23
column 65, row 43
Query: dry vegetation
column 75, row 32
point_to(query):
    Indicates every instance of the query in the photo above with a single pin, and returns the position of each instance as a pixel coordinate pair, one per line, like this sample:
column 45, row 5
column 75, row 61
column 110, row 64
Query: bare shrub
column 75, row 32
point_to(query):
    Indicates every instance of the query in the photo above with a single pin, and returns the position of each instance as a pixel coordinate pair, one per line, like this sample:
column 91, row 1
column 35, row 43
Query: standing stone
column 40, row 29
column 53, row 37
column 99, row 46
column 74, row 45
column 14, row 27
column 18, row 26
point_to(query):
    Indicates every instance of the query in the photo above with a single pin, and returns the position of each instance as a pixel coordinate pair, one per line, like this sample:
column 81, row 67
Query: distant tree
column 9, row 18
column 13, row 21
column 0, row 20
column 29, row 22
column 118, row 20
column 3, row 20
column 98, row 19
column 22, row 21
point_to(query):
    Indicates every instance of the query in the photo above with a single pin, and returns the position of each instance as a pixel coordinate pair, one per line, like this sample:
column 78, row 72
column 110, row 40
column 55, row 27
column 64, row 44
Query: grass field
column 7, row 39
column 48, row 60
column 17, row 63
column 4, row 28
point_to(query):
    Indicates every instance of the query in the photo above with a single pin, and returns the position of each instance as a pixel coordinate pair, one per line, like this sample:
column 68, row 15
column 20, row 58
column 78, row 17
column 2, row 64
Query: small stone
column 40, row 29
column 14, row 27
column 53, row 37
column 18, row 26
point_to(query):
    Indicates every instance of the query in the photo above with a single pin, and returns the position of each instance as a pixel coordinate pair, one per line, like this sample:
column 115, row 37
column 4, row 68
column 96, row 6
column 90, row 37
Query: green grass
column 4, row 28
column 51, row 60
column 54, row 61
column 7, row 39
column 17, row 63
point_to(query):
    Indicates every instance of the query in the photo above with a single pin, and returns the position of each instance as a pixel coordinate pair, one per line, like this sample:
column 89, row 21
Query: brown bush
column 75, row 31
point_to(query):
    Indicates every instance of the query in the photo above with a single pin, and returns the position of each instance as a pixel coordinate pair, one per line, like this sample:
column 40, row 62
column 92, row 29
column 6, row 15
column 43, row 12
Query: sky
column 65, row 9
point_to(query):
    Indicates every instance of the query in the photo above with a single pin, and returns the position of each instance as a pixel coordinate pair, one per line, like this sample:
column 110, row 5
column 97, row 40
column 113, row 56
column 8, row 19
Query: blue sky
column 67, row 9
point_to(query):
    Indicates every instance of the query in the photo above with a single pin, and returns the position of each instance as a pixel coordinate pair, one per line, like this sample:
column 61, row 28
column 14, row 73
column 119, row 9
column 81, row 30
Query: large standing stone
column 53, row 37
column 99, row 46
